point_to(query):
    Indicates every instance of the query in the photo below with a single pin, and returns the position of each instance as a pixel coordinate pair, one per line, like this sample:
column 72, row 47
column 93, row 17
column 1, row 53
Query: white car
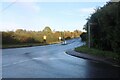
column 64, row 43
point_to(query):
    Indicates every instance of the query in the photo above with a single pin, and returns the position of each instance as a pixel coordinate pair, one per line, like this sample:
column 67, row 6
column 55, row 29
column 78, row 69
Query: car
column 64, row 43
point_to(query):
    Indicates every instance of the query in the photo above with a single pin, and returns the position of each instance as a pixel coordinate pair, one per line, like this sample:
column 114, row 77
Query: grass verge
column 4, row 46
column 108, row 55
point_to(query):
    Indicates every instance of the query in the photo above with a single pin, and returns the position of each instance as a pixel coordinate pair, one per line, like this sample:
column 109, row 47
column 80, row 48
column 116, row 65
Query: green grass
column 99, row 53
column 4, row 46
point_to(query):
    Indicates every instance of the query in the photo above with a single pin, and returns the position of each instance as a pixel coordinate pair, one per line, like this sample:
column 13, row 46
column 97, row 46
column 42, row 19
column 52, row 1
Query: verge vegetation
column 104, row 26
column 24, row 38
column 108, row 55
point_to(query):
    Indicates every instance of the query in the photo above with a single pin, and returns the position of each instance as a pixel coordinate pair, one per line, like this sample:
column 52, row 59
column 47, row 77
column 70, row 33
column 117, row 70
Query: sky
column 35, row 15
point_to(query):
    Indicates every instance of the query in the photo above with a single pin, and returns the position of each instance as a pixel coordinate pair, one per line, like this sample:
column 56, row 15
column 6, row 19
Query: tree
column 105, row 34
column 47, row 29
column 83, row 36
column 24, row 36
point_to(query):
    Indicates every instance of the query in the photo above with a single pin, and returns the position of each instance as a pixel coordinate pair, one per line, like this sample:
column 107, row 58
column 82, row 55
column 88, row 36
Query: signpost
column 89, row 25
column 89, row 35
column 44, row 37
column 60, row 38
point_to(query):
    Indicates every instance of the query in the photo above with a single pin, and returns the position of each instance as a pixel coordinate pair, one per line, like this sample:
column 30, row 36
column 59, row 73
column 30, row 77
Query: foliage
column 105, row 27
column 111, row 56
column 83, row 36
column 23, row 36
column 47, row 30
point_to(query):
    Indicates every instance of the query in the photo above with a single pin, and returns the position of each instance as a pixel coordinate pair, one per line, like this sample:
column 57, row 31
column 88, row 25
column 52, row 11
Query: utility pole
column 89, row 34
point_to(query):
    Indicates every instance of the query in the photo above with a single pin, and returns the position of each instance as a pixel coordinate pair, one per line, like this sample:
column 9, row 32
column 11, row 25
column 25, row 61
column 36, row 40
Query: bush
column 83, row 36
column 105, row 32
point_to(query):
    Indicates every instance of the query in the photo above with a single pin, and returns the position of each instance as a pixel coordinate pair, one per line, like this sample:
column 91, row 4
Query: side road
column 90, row 57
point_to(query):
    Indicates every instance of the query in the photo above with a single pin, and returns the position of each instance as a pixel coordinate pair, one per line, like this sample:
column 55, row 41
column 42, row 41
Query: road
column 51, row 61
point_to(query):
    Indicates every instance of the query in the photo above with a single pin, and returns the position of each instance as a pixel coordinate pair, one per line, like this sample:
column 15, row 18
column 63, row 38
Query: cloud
column 86, row 10
column 72, row 13
column 30, row 6
column 19, row 1
column 59, row 0
column 68, row 13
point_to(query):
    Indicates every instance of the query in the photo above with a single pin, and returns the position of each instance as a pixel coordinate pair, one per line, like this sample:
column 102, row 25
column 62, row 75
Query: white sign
column 60, row 38
column 44, row 37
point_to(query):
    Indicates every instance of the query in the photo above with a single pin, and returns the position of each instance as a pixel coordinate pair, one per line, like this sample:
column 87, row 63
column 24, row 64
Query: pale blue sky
column 36, row 15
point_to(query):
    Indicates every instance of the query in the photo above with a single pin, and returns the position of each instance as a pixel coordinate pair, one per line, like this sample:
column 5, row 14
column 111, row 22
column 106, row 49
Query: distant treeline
column 105, row 27
column 22, row 36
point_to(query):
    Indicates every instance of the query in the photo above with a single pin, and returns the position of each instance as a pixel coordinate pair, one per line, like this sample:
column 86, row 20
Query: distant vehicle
column 64, row 43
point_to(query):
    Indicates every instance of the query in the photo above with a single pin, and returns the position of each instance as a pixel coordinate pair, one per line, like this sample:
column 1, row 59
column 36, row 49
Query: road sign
column 44, row 37
column 60, row 38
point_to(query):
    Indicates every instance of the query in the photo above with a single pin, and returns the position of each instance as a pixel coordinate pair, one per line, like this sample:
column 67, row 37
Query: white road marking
column 15, row 63
column 38, row 58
